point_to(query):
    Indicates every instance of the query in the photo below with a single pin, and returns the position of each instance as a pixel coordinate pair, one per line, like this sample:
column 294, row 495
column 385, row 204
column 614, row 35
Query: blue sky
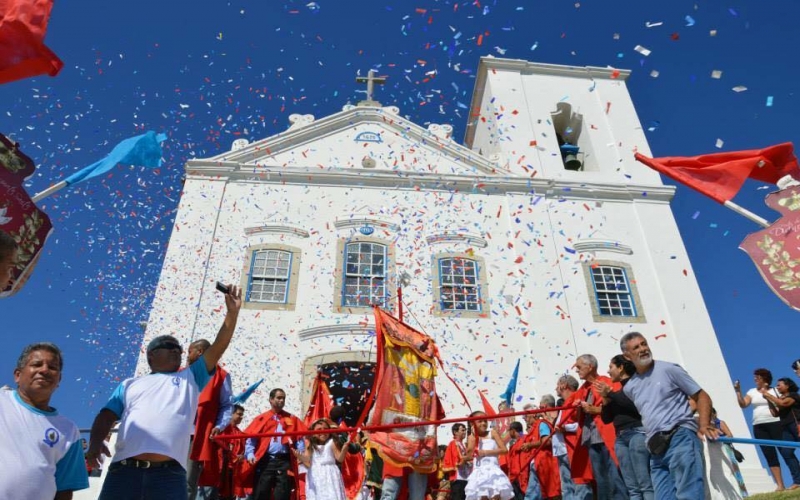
column 208, row 72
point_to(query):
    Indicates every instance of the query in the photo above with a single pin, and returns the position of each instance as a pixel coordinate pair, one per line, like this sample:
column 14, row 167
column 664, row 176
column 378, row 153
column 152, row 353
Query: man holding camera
column 156, row 413
column 661, row 392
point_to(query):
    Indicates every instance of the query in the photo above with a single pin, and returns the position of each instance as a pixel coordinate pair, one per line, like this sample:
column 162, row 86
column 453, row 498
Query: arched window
column 270, row 278
column 367, row 266
column 459, row 285
column 614, row 291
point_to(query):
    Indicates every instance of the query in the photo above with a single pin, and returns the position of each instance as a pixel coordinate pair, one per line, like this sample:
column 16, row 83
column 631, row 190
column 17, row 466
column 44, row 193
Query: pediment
column 364, row 139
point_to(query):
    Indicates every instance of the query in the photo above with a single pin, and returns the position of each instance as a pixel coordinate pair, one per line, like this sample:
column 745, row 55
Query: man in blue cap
column 156, row 414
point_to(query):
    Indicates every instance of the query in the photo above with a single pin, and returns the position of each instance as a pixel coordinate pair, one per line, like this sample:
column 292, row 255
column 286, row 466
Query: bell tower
column 557, row 122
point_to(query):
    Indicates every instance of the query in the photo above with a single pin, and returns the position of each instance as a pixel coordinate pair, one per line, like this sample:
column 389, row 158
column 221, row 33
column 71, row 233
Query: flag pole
column 47, row 192
column 746, row 213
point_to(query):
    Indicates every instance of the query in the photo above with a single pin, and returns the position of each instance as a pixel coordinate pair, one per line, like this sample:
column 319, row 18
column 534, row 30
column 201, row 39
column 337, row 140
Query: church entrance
column 349, row 376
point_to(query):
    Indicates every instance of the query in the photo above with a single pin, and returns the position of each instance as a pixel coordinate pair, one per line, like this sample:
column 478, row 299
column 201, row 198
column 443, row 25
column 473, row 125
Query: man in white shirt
column 157, row 417
column 41, row 456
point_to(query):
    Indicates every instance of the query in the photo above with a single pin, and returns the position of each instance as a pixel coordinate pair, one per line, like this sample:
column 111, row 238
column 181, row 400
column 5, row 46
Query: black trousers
column 272, row 478
column 457, row 489
column 771, row 430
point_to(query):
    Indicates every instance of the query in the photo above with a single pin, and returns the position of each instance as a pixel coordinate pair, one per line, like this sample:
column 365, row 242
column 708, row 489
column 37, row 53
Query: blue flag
column 512, row 386
column 241, row 398
column 143, row 150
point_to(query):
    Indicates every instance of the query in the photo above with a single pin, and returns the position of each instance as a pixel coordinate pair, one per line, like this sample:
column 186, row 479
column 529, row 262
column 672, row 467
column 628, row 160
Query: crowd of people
column 635, row 433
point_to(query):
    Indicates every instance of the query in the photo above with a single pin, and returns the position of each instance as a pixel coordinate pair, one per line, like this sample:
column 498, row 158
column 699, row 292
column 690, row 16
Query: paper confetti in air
column 719, row 143
column 643, row 51
column 716, row 74
column 739, row 88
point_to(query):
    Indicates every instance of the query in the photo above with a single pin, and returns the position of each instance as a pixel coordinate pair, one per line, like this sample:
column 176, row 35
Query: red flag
column 321, row 404
column 19, row 216
column 487, row 406
column 405, row 391
column 721, row 175
column 23, row 24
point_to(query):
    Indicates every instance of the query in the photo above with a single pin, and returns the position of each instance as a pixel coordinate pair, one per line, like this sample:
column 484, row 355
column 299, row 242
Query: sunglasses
column 167, row 345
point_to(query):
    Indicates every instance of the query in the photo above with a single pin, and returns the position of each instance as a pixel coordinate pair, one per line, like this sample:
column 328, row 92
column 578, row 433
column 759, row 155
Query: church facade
column 539, row 239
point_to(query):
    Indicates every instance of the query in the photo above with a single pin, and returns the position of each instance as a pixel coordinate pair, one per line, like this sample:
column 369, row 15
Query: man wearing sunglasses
column 157, row 417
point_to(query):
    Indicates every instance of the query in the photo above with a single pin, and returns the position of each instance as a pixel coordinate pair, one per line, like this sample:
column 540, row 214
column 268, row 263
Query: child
column 322, row 456
column 487, row 481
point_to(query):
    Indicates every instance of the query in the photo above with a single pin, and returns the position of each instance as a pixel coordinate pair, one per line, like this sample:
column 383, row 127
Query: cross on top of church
column 370, row 80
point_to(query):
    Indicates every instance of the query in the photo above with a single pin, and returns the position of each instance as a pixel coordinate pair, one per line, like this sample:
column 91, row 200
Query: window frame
column 340, row 285
column 290, row 300
column 632, row 293
column 481, row 284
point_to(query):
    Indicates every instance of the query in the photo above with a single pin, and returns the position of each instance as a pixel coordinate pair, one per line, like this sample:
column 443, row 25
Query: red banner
column 19, row 216
column 405, row 391
column 321, row 404
column 775, row 251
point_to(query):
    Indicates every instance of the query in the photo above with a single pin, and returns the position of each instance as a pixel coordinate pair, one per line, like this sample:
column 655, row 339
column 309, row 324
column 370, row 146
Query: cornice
column 456, row 237
column 234, row 172
column 327, row 330
column 357, row 222
column 602, row 245
column 528, row 67
column 276, row 229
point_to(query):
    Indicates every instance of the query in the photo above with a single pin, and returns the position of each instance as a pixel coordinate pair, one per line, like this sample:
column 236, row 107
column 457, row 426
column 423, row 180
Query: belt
column 278, row 455
column 147, row 464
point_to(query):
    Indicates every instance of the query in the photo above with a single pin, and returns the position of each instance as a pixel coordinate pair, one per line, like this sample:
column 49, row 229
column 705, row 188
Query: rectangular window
column 269, row 276
column 459, row 288
column 364, row 275
column 612, row 291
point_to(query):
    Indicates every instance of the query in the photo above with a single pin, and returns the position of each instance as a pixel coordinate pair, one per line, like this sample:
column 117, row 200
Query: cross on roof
column 370, row 80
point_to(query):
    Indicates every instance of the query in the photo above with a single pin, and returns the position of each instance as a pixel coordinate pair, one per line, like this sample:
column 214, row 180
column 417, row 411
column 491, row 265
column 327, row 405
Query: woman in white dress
column 487, row 481
column 322, row 456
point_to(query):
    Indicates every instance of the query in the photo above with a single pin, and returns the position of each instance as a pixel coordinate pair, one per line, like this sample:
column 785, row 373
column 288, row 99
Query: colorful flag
column 511, row 389
column 143, row 150
column 19, row 216
column 321, row 404
column 721, row 175
column 405, row 391
column 245, row 395
column 776, row 250
column 23, row 54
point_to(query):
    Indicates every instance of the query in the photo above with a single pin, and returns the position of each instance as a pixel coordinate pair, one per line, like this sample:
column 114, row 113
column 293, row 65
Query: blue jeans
column 534, row 490
column 565, row 474
column 789, row 433
column 130, row 483
column 570, row 490
column 606, row 474
column 417, row 484
column 678, row 473
column 634, row 463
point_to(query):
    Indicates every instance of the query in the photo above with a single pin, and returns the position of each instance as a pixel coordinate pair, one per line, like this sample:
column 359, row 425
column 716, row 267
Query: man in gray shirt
column 661, row 392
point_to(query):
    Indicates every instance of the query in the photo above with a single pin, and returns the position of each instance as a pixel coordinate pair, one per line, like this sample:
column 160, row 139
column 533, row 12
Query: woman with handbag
column 787, row 402
column 765, row 424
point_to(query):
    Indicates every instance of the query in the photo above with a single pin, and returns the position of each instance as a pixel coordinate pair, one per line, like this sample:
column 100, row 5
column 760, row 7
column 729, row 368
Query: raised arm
column 102, row 425
column 744, row 401
column 233, row 303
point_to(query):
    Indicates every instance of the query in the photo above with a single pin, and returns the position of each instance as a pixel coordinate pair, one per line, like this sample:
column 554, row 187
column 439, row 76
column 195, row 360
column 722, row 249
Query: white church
column 539, row 239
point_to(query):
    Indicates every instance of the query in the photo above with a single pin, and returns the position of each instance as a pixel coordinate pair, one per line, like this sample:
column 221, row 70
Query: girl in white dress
column 322, row 456
column 487, row 481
